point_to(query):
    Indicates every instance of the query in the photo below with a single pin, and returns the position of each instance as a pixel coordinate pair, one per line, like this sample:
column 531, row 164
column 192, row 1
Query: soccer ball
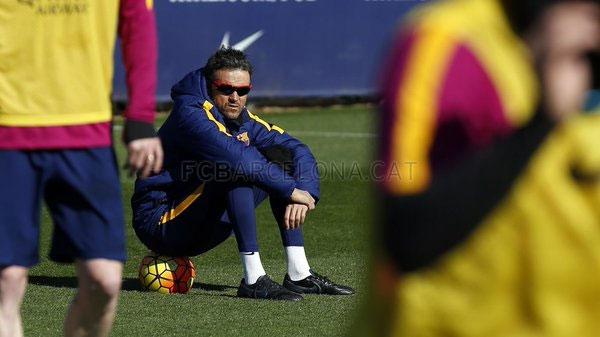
column 167, row 275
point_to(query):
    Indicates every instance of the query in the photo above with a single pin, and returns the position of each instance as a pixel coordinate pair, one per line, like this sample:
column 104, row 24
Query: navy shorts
column 82, row 191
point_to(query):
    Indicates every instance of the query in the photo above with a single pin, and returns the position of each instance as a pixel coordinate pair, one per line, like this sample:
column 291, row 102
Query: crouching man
column 221, row 162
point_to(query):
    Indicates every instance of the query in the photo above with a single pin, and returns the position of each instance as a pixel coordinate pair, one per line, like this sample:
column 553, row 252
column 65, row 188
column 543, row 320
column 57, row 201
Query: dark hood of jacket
column 193, row 84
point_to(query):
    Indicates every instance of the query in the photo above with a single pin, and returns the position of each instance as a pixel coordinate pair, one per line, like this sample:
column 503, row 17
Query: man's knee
column 100, row 279
column 105, row 286
column 13, row 281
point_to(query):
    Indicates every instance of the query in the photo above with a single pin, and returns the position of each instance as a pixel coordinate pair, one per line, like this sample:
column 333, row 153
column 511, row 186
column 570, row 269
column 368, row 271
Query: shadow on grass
column 129, row 284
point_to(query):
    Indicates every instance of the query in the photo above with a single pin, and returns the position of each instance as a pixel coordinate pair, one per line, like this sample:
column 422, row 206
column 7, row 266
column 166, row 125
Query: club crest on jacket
column 243, row 137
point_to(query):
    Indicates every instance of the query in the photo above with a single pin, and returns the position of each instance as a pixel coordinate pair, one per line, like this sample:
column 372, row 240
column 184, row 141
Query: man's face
column 229, row 102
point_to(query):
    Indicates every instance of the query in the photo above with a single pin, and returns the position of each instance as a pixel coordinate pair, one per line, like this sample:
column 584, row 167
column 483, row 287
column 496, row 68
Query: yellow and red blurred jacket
column 458, row 79
column 56, row 68
column 491, row 213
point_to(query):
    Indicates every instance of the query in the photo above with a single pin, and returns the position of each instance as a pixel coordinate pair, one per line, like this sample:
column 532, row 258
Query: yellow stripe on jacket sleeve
column 278, row 129
column 182, row 206
column 265, row 124
column 207, row 106
column 150, row 4
column 416, row 111
column 504, row 56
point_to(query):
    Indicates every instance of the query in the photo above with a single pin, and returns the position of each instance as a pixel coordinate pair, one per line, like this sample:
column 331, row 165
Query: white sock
column 253, row 268
column 297, row 264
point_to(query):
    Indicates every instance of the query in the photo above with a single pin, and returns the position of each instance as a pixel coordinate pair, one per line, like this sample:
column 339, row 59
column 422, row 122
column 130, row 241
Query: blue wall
column 309, row 48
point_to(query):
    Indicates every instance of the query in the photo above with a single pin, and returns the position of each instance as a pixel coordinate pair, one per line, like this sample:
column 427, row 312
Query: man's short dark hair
column 523, row 14
column 226, row 58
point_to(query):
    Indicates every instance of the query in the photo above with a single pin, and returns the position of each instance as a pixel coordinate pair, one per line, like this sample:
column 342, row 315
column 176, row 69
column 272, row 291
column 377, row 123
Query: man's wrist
column 137, row 130
column 290, row 191
column 308, row 188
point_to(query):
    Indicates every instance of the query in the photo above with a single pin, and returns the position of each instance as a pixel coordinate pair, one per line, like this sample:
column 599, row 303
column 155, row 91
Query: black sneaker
column 316, row 284
column 267, row 289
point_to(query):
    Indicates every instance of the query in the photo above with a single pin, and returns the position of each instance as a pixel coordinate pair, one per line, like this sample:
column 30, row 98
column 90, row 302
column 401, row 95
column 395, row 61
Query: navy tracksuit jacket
column 203, row 150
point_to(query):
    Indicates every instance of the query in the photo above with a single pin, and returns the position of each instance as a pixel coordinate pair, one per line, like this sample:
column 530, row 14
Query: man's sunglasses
column 228, row 89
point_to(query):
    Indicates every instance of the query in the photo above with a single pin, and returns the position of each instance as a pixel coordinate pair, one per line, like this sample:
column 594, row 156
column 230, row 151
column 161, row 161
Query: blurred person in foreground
column 491, row 222
column 221, row 162
column 56, row 67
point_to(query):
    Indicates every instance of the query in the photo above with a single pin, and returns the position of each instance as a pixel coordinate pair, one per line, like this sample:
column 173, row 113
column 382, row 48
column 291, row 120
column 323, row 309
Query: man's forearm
column 137, row 30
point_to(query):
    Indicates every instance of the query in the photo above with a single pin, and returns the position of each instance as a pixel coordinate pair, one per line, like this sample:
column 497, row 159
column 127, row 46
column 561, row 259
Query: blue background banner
column 308, row 48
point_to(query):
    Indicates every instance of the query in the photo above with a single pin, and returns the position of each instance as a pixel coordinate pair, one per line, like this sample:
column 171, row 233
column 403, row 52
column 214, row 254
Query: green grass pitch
column 336, row 234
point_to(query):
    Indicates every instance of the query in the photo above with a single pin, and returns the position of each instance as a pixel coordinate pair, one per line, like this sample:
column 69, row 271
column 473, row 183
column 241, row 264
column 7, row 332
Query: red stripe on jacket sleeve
column 471, row 114
column 139, row 44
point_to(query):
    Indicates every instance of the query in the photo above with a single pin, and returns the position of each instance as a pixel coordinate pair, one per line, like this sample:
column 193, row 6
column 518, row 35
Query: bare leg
column 13, row 281
column 92, row 311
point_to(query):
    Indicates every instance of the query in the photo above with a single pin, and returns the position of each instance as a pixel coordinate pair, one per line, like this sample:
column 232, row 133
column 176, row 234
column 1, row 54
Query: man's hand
column 561, row 43
column 303, row 197
column 145, row 155
column 294, row 217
